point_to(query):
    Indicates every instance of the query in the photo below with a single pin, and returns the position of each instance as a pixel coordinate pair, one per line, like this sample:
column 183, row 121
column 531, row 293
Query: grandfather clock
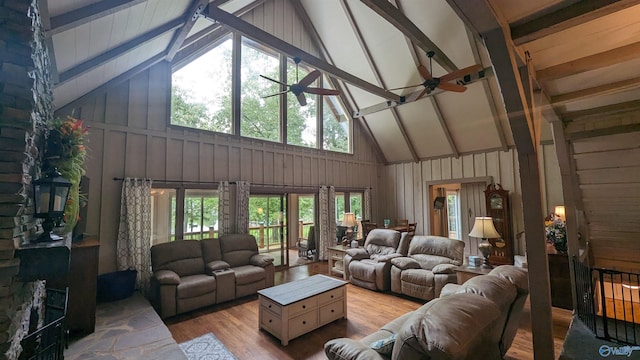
column 498, row 208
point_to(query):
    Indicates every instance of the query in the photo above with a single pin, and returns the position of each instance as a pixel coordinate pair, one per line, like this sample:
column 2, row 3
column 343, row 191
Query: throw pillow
column 384, row 346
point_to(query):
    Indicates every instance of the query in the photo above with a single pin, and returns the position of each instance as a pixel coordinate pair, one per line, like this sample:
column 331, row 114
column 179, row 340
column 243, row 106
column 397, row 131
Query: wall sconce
column 484, row 228
column 50, row 198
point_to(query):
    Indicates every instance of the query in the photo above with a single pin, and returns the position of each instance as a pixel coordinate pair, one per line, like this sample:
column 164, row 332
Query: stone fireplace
column 25, row 106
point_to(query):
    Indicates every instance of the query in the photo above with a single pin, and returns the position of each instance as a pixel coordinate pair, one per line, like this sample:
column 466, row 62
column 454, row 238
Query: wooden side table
column 336, row 260
column 466, row 272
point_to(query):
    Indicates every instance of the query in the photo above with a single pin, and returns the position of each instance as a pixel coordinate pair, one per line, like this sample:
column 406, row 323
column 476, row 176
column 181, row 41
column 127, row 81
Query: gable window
column 259, row 116
column 219, row 92
column 201, row 90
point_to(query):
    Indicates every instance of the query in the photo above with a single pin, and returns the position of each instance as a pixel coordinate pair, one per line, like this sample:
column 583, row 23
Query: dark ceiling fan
column 431, row 83
column 300, row 87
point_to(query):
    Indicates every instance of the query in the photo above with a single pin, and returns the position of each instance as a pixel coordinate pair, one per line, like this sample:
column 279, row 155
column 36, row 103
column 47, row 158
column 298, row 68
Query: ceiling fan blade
column 301, row 99
column 424, row 72
column 425, row 91
column 405, row 87
column 276, row 94
column 452, row 87
column 321, row 91
column 311, row 77
column 460, row 73
column 275, row 81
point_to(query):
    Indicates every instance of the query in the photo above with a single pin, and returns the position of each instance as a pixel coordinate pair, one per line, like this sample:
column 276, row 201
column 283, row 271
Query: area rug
column 206, row 347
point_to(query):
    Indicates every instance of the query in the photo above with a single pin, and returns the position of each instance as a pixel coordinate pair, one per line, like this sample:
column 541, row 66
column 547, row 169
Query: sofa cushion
column 248, row 274
column 382, row 241
column 237, row 249
column 418, row 277
column 450, row 328
column 494, row 288
column 363, row 269
column 451, row 250
column 196, row 285
column 515, row 275
column 384, row 346
column 182, row 257
column 211, row 250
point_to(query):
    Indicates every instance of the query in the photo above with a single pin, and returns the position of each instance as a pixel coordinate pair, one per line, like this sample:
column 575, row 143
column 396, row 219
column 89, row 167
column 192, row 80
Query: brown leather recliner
column 369, row 266
column 427, row 267
column 190, row 274
column 179, row 282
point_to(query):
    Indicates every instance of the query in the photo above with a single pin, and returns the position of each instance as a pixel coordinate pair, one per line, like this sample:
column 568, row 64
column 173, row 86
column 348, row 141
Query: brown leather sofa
column 427, row 267
column 369, row 267
column 476, row 320
column 191, row 274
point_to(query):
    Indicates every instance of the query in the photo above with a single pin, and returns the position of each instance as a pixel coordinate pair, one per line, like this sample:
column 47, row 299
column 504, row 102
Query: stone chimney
column 26, row 103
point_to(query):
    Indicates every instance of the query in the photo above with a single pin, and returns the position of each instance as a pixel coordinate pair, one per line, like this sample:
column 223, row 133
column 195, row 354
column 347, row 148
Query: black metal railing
column 48, row 342
column 608, row 302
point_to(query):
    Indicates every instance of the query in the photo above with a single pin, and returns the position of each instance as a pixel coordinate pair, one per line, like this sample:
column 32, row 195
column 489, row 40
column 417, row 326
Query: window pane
column 201, row 91
column 200, row 214
column 355, row 204
column 163, row 215
column 306, row 213
column 340, row 207
column 301, row 120
column 453, row 211
column 335, row 124
column 260, row 117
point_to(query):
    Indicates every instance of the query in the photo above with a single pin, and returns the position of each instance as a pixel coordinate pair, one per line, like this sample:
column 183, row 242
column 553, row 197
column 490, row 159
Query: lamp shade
column 483, row 228
column 349, row 219
column 559, row 211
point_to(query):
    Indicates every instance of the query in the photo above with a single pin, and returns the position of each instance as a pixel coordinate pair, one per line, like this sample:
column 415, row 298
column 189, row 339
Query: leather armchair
column 369, row 266
column 428, row 266
column 179, row 283
column 253, row 271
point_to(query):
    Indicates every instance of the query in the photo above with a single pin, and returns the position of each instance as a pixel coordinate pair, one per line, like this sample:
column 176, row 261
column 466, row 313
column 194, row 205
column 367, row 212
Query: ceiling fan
column 431, row 83
column 300, row 87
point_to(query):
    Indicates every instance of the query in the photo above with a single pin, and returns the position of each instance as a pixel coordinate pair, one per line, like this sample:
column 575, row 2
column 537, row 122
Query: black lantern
column 50, row 197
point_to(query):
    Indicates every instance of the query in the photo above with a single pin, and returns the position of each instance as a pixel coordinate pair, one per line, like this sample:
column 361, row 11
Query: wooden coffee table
column 296, row 308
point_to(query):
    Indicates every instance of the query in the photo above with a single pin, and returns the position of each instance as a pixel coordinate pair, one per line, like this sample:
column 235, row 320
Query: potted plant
column 556, row 232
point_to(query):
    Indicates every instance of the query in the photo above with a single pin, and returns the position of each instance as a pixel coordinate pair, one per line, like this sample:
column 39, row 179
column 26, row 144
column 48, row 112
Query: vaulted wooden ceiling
column 581, row 56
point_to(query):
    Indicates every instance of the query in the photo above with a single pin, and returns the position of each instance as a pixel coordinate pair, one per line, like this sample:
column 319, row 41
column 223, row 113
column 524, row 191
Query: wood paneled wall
column 406, row 187
column 129, row 136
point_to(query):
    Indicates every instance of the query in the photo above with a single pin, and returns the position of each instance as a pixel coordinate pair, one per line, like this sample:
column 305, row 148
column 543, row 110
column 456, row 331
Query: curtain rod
column 253, row 184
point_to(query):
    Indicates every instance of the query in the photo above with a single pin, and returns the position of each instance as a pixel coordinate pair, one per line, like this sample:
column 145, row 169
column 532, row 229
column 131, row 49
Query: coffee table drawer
column 270, row 305
column 303, row 324
column 303, row 306
column 331, row 295
column 271, row 322
column 331, row 311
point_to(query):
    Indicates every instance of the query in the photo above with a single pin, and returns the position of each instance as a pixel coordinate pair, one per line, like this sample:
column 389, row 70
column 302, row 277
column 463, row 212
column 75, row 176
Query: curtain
column 327, row 219
column 242, row 207
column 224, row 209
column 134, row 233
column 366, row 212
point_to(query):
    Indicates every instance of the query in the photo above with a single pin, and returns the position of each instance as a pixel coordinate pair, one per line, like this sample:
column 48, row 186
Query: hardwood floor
column 236, row 323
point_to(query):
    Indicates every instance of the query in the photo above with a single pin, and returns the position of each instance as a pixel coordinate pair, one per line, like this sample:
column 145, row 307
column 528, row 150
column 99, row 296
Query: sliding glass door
column 268, row 223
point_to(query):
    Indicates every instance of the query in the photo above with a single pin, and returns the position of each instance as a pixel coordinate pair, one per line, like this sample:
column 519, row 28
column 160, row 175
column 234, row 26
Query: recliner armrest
column 167, row 277
column 215, row 265
column 347, row 349
column 449, row 289
column 404, row 263
column 260, row 260
column 358, row 254
column 443, row 269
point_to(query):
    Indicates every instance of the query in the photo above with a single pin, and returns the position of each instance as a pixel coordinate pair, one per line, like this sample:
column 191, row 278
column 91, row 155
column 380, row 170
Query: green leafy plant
column 556, row 232
column 66, row 150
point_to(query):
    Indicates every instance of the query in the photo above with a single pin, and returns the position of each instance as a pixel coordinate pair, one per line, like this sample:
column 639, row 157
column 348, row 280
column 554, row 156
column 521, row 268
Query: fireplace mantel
column 44, row 261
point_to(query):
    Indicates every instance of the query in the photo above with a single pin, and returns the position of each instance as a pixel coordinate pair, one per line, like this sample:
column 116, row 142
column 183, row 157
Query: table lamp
column 483, row 228
column 349, row 221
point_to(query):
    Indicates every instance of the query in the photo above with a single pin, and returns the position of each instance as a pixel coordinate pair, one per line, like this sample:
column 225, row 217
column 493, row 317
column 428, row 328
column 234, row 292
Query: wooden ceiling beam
column 409, row 98
column 573, row 15
column 319, row 44
column 111, row 54
column 592, row 62
column 633, row 105
column 376, row 73
column 257, row 34
column 83, row 15
column 189, row 18
column 395, row 17
column 600, row 90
